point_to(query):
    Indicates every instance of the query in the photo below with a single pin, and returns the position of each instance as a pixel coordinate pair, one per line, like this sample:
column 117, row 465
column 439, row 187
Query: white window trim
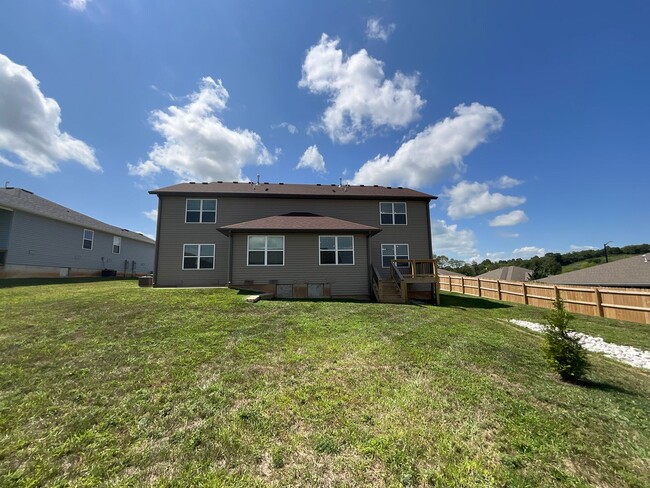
column 92, row 239
column 198, row 261
column 201, row 210
column 392, row 204
column 265, row 250
column 381, row 249
column 119, row 245
column 336, row 252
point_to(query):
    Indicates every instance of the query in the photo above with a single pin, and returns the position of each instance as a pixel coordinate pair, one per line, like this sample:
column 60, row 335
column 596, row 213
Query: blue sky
column 528, row 119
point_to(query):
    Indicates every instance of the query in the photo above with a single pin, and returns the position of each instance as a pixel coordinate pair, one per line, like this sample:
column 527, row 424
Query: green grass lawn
column 588, row 263
column 107, row 383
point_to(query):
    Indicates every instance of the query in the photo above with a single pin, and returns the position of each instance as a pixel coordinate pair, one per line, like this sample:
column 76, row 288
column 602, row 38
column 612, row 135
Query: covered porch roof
column 298, row 222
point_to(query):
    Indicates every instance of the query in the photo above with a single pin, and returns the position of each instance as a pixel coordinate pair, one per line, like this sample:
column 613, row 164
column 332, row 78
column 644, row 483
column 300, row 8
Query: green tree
column 563, row 352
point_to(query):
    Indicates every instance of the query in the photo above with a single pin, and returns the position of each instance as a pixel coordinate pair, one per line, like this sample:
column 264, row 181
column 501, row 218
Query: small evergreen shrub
column 564, row 353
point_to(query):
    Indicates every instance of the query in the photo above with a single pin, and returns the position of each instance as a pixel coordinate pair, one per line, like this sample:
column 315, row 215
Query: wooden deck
column 404, row 272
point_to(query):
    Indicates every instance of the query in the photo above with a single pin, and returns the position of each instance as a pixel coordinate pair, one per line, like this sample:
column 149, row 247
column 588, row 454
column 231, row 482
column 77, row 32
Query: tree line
column 549, row 264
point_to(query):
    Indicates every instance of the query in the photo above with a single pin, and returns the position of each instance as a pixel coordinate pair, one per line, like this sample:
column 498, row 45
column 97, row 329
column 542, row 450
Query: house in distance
column 39, row 238
column 295, row 240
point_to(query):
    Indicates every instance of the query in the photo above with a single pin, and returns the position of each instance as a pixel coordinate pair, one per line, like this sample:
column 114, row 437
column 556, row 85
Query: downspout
column 157, row 252
column 369, row 264
column 230, row 246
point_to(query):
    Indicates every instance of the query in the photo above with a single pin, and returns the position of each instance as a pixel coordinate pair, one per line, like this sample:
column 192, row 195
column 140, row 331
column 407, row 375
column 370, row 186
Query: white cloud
column 197, row 145
column 312, row 159
column 573, row 247
column 29, row 126
column 506, row 220
column 506, row 182
column 77, row 4
column 292, row 129
column 509, row 235
column 435, row 151
column 361, row 99
column 152, row 214
column 448, row 239
column 468, row 199
column 374, row 29
column 528, row 252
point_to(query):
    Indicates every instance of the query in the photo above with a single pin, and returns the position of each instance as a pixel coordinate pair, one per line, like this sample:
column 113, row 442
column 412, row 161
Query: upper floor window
column 198, row 256
column 200, row 211
column 392, row 213
column 336, row 249
column 117, row 244
column 88, row 238
column 394, row 251
column 266, row 250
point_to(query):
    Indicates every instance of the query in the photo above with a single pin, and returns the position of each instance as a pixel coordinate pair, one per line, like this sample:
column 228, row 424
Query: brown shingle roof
column 631, row 272
column 508, row 273
column 447, row 272
column 299, row 222
column 292, row 190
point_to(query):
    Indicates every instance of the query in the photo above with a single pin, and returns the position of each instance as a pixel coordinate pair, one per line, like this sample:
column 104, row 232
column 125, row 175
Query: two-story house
column 295, row 240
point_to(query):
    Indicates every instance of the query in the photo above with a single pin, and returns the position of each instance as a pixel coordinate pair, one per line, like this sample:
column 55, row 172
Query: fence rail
column 632, row 305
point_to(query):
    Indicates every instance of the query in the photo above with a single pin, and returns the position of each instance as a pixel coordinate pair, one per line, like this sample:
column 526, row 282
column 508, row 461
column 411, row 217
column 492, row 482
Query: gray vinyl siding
column 5, row 227
column 39, row 241
column 173, row 232
column 301, row 264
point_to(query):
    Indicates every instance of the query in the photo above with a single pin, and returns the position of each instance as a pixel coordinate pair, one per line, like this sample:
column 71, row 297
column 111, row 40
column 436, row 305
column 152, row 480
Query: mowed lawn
column 108, row 383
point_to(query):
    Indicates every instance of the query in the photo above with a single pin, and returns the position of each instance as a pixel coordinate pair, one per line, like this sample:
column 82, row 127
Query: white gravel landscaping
column 626, row 354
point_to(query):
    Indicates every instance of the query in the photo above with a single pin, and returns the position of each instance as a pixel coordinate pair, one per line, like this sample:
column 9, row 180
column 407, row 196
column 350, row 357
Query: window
column 336, row 249
column 200, row 211
column 198, row 256
column 394, row 251
column 3, row 257
column 87, row 242
column 117, row 244
column 266, row 250
column 392, row 213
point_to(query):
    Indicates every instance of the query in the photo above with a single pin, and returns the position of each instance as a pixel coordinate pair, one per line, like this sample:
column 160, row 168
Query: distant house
column 39, row 238
column 508, row 273
column 631, row 272
column 295, row 240
column 447, row 272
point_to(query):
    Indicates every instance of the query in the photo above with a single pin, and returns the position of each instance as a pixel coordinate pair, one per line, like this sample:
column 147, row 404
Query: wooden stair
column 389, row 292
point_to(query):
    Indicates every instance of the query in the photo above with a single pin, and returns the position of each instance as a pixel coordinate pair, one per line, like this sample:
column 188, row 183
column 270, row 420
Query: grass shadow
column 605, row 387
column 17, row 282
column 465, row 302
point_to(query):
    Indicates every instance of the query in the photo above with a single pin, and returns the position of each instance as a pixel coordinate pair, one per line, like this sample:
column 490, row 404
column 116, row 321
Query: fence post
column 462, row 284
column 523, row 288
column 499, row 289
column 479, row 286
column 557, row 293
column 599, row 303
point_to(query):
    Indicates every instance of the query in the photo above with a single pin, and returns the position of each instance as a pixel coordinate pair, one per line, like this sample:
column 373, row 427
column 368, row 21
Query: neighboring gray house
column 39, row 238
column 631, row 272
column 294, row 240
column 508, row 273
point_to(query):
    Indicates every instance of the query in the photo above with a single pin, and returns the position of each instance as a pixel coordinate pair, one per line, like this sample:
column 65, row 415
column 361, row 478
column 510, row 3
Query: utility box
column 145, row 281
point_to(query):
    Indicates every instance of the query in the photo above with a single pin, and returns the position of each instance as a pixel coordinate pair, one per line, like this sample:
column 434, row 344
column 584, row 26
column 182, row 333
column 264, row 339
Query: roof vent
column 266, row 182
column 235, row 182
column 389, row 187
column 332, row 184
column 400, row 188
column 219, row 181
column 192, row 183
column 375, row 186
column 362, row 185
column 280, row 183
column 266, row 189
column 204, row 183
column 318, row 184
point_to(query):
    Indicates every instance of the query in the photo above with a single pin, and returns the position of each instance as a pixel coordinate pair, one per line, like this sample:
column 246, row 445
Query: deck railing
column 416, row 268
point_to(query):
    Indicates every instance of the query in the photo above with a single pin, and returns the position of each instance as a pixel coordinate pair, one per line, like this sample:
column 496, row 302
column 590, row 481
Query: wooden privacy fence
column 628, row 304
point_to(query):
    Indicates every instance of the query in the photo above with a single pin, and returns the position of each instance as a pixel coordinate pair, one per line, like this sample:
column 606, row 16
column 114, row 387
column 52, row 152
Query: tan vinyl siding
column 174, row 232
column 301, row 253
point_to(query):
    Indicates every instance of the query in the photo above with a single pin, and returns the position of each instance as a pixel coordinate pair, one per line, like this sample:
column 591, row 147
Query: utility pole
column 605, row 248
